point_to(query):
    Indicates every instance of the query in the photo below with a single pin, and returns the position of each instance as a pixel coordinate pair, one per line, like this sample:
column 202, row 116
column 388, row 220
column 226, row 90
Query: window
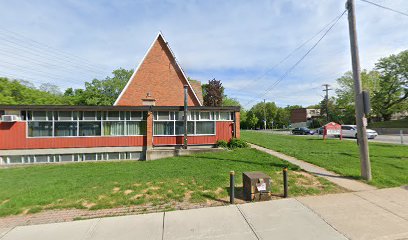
column 66, row 158
column 40, row 129
column 14, row 159
column 114, row 115
column 180, row 128
column 65, row 129
column 205, row 127
column 114, row 128
column 39, row 116
column 163, row 116
column 136, row 128
column 89, row 157
column 64, row 116
column 41, row 158
column 164, row 128
column 90, row 115
column 134, row 155
column 89, row 129
column 113, row 156
column 136, row 116
column 205, row 116
column 225, row 116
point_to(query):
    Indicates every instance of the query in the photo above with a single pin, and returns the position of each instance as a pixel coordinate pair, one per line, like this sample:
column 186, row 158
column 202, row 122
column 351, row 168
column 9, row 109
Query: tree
column 261, row 109
column 251, row 120
column 15, row 92
column 213, row 93
column 343, row 107
column 282, row 118
column 100, row 92
column 50, row 88
column 392, row 94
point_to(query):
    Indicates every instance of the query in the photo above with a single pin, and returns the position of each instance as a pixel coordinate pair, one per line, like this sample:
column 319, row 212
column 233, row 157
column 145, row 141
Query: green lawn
column 389, row 162
column 195, row 179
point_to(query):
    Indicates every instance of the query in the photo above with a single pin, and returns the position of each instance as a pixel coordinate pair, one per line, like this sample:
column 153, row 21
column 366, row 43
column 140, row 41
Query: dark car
column 302, row 131
column 320, row 130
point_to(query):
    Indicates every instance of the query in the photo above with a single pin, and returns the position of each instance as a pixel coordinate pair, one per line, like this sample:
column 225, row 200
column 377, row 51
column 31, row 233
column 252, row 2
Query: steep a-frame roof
column 159, row 75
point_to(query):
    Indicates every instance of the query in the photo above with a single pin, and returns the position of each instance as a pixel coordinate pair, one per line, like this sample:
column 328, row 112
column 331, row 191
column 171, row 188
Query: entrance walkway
column 376, row 214
column 347, row 183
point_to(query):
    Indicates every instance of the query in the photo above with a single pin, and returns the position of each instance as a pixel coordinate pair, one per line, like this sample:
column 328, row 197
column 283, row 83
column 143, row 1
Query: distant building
column 303, row 117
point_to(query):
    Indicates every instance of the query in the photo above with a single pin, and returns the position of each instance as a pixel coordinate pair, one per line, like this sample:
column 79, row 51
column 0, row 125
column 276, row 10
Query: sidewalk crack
column 249, row 224
column 324, row 220
column 164, row 216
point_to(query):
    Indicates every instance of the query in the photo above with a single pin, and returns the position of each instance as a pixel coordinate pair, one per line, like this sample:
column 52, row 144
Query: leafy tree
column 251, row 119
column 100, row 92
column 227, row 101
column 261, row 109
column 50, row 88
column 213, row 93
column 392, row 94
column 282, row 118
column 17, row 93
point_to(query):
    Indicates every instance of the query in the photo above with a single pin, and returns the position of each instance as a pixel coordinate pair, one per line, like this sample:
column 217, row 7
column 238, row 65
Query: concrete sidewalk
column 376, row 214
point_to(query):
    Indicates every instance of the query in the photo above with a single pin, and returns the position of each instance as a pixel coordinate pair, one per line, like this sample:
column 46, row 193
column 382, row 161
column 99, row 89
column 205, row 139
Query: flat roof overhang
column 115, row 108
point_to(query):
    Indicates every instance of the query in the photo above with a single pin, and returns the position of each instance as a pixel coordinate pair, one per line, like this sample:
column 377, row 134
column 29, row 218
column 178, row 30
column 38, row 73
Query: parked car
column 320, row 130
column 302, row 131
column 351, row 131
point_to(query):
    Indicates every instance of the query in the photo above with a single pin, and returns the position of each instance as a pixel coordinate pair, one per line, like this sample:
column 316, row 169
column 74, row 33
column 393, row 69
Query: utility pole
column 327, row 99
column 185, row 144
column 264, row 114
column 359, row 104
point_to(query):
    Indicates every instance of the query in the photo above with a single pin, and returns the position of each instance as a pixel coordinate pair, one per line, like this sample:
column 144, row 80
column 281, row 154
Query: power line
column 47, row 56
column 289, row 55
column 22, row 38
column 384, row 7
column 300, row 60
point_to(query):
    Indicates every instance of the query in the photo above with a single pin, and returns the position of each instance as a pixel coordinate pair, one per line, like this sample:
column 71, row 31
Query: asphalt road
column 394, row 139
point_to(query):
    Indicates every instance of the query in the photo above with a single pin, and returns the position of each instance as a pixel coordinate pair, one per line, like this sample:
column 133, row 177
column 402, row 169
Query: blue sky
column 234, row 41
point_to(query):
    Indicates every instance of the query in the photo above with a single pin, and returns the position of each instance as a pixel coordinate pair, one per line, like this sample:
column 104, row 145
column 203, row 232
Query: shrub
column 222, row 144
column 237, row 143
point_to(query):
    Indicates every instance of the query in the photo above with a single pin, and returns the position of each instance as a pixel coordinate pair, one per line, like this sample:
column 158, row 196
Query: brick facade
column 161, row 77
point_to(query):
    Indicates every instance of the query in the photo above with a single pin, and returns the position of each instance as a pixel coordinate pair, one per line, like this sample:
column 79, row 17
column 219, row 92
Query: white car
column 351, row 131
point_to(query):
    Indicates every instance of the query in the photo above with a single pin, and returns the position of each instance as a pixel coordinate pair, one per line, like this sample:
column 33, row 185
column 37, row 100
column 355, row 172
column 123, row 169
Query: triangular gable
column 159, row 75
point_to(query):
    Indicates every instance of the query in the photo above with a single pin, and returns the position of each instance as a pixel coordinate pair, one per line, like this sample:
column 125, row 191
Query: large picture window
column 86, row 123
column 172, row 123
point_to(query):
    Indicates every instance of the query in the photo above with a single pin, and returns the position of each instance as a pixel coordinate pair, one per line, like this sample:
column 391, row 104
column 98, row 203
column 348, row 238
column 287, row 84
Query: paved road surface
column 375, row 214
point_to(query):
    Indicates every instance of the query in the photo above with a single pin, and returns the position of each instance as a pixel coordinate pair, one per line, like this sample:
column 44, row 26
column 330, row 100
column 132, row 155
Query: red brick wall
column 298, row 115
column 159, row 76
